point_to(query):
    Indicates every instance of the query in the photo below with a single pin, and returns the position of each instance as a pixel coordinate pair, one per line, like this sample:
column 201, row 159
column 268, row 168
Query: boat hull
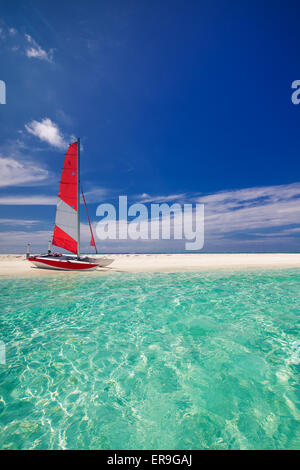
column 63, row 264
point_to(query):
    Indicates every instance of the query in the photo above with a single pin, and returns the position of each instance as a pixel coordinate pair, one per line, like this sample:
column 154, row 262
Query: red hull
column 70, row 265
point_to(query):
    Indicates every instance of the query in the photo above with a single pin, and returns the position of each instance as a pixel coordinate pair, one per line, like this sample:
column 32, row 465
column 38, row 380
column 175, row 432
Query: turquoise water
column 151, row 361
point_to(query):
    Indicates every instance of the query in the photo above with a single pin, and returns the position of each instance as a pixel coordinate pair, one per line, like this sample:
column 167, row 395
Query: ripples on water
column 151, row 361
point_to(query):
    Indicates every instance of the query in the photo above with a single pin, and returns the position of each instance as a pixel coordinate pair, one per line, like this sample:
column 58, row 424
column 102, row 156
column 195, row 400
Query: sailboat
column 66, row 233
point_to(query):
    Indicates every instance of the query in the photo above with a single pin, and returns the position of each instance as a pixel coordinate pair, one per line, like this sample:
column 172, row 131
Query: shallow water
column 151, row 361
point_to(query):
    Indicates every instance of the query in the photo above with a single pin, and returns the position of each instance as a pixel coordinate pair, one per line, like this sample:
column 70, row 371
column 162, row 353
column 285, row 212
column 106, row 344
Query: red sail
column 68, row 182
column 66, row 222
column 64, row 240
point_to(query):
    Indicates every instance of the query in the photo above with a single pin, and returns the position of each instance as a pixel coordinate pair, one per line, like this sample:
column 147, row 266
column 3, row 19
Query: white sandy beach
column 17, row 265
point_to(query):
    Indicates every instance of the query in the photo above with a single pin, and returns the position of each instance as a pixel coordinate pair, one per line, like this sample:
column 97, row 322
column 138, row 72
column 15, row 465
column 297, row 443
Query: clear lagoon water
column 206, row 360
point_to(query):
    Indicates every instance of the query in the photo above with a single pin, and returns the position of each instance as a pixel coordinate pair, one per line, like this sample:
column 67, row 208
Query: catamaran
column 66, row 233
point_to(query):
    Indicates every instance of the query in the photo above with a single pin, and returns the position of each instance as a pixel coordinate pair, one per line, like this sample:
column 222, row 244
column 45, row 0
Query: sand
column 18, row 266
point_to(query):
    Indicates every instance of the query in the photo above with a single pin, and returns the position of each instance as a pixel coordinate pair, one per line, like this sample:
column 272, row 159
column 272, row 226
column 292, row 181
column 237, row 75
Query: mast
column 78, row 197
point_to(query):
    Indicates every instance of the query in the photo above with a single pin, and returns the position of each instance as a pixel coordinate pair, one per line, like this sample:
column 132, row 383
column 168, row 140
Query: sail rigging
column 92, row 243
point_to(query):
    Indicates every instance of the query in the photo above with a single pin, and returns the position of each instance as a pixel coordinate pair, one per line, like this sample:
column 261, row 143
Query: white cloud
column 19, row 222
column 48, row 131
column 95, row 195
column 16, row 241
column 38, row 200
column 44, row 200
column 144, row 198
column 31, row 48
column 251, row 208
column 238, row 220
column 251, row 219
column 16, row 173
column 5, row 31
column 35, row 50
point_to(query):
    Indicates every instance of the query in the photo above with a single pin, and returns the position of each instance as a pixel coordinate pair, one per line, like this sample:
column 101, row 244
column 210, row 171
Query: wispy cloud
column 19, row 222
column 248, row 209
column 7, row 32
column 19, row 166
column 251, row 219
column 39, row 200
column 34, row 50
column 19, row 173
column 258, row 218
column 95, row 195
column 12, row 31
column 48, row 131
column 15, row 241
column 144, row 198
column 243, row 210
column 16, row 41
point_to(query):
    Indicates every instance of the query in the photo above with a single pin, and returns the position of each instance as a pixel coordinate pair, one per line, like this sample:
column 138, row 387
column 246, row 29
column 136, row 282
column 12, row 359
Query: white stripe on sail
column 66, row 218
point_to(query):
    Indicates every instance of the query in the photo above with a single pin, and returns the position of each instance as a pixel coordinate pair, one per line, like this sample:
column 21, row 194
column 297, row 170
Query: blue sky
column 173, row 100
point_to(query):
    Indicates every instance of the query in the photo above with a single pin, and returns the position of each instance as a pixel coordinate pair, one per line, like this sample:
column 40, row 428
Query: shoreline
column 17, row 266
